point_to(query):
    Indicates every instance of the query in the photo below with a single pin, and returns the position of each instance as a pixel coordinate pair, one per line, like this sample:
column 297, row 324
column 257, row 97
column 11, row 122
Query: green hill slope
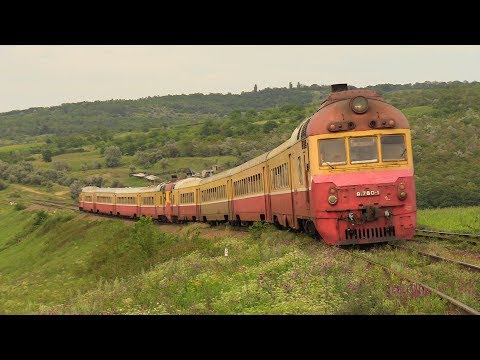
column 61, row 262
column 199, row 131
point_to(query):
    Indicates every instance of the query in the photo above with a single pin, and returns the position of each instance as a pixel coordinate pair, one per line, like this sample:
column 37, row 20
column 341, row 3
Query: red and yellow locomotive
column 346, row 174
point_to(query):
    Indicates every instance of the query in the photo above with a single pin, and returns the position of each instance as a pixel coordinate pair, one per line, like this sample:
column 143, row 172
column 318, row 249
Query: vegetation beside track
column 63, row 262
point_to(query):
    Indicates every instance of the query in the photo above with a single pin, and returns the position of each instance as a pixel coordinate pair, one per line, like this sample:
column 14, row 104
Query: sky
column 43, row 76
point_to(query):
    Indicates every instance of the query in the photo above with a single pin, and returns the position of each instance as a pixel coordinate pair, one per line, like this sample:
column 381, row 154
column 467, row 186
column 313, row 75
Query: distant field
column 417, row 111
column 461, row 219
column 194, row 163
column 18, row 147
column 122, row 173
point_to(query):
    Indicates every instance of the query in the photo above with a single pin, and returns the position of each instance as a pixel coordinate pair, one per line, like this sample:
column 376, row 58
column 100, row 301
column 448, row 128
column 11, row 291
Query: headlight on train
column 332, row 196
column 401, row 193
column 359, row 104
column 332, row 199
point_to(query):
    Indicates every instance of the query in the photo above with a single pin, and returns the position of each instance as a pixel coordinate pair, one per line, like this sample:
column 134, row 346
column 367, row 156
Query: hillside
column 66, row 262
column 170, row 134
column 128, row 115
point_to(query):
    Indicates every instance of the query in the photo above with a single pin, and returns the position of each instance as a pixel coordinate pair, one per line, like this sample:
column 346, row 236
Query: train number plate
column 368, row 193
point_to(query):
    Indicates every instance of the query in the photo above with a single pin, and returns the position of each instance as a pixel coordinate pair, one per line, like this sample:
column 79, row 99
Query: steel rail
column 463, row 307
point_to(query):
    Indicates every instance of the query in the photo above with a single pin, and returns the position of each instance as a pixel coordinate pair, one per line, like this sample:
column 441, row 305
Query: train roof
column 336, row 109
column 128, row 190
column 185, row 183
column 259, row 159
column 249, row 164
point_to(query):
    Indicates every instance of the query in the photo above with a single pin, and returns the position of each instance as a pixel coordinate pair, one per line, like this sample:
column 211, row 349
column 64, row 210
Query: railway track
column 447, row 235
column 438, row 258
column 418, row 232
column 461, row 307
column 54, row 204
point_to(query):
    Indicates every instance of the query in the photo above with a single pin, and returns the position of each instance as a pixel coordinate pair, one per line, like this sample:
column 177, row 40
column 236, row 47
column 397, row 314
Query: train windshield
column 332, row 152
column 363, row 150
column 393, row 148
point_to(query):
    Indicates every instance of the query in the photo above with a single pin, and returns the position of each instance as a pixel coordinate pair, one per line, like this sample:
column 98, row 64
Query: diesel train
column 345, row 175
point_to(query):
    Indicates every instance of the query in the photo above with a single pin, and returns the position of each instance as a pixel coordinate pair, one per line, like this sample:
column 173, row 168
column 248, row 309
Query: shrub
column 75, row 189
column 40, row 217
column 19, row 206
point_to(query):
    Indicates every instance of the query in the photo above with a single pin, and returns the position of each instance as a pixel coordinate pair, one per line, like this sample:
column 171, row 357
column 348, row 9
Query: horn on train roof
column 339, row 87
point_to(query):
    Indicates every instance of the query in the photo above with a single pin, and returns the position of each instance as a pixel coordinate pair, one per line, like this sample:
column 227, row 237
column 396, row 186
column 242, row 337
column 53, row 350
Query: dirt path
column 24, row 188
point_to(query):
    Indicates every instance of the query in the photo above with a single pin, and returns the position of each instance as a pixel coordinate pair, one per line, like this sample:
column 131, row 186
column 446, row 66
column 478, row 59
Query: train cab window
column 332, row 152
column 393, row 148
column 363, row 150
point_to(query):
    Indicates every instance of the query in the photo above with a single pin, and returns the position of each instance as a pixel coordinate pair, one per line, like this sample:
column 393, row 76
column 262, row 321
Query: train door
column 139, row 208
column 306, row 168
column 230, row 199
column 168, row 207
column 292, row 223
column 197, row 204
column 163, row 201
column 175, row 195
column 266, row 192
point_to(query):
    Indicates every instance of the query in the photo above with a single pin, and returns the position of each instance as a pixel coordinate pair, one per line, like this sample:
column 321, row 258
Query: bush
column 40, row 217
column 19, row 206
column 75, row 189
column 2, row 185
column 117, row 184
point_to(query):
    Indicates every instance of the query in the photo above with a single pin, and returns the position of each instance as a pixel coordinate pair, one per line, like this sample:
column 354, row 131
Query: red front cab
column 358, row 218
column 366, row 196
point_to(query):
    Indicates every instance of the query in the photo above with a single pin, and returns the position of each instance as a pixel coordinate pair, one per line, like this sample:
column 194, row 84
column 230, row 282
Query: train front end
column 361, row 166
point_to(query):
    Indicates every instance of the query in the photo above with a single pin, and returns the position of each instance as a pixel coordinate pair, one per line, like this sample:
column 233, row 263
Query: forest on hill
column 157, row 134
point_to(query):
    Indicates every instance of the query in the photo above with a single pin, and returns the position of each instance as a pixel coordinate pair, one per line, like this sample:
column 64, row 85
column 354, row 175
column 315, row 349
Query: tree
column 269, row 126
column 255, row 88
column 113, row 155
column 95, row 181
column 47, row 155
column 117, row 184
column 75, row 189
column 163, row 163
column 61, row 166
column 290, row 86
column 298, row 85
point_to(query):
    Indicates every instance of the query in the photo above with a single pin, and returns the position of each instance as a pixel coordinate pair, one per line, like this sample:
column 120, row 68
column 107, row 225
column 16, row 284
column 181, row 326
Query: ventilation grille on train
column 370, row 233
column 302, row 133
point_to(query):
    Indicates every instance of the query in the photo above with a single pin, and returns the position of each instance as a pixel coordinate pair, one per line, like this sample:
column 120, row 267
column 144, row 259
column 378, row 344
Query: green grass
column 417, row 111
column 461, row 219
column 65, row 262
column 122, row 173
column 61, row 263
column 457, row 282
column 18, row 147
column 194, row 163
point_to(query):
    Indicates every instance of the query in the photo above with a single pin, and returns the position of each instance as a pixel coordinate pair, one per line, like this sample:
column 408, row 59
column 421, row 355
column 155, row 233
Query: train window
column 332, row 152
column 147, row 200
column 393, row 148
column 363, row 150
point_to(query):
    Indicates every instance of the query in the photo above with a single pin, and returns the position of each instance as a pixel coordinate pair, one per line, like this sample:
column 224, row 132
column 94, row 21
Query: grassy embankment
column 460, row 219
column 65, row 262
